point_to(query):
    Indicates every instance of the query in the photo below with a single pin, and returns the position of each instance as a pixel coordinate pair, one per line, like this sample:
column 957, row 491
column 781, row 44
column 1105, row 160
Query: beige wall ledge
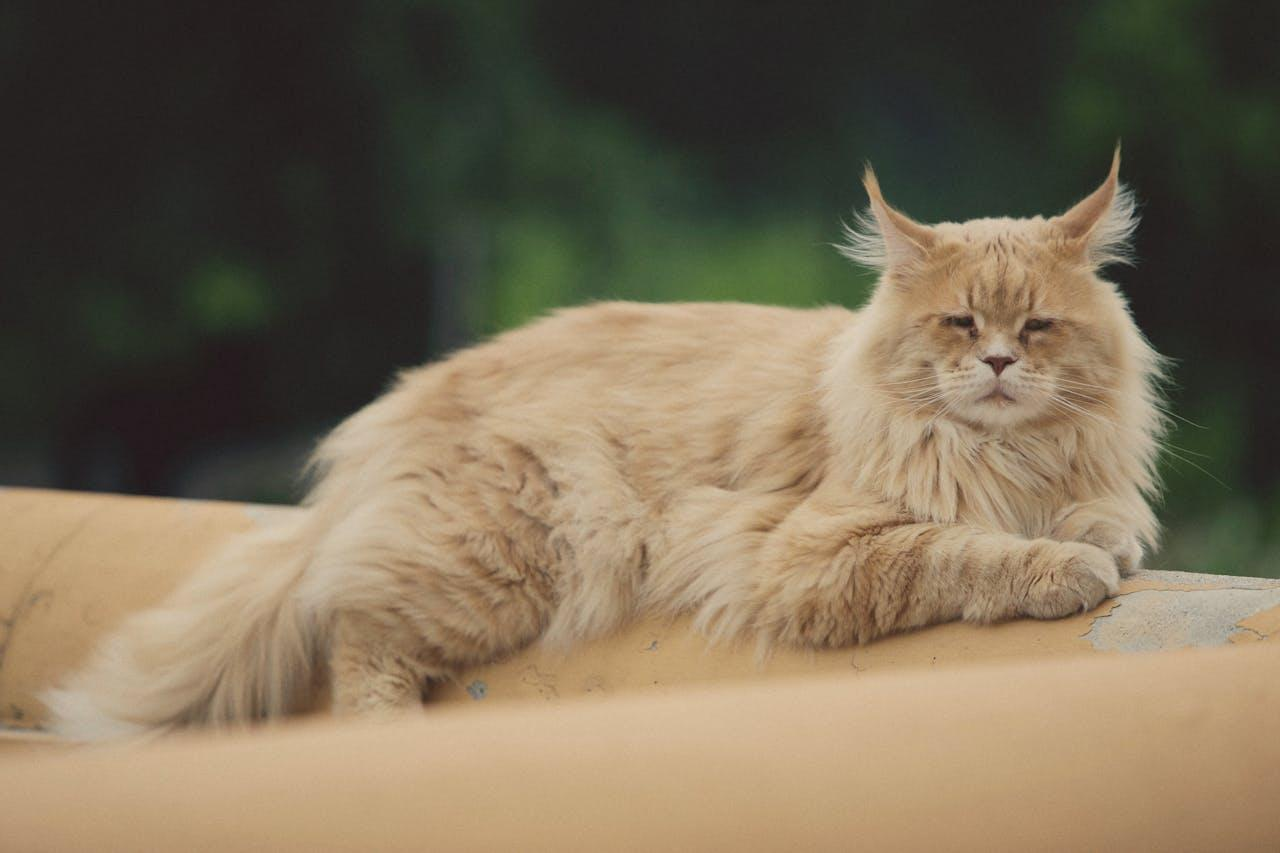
column 1177, row 751
column 1029, row 735
column 73, row 565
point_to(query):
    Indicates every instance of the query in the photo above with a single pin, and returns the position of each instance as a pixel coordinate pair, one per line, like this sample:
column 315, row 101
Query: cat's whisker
column 928, row 428
column 903, row 386
column 1165, row 446
column 914, row 381
column 926, row 403
column 1155, row 402
column 1070, row 386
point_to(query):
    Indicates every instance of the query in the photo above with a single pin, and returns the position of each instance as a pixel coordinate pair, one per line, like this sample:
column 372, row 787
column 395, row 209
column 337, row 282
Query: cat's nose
column 999, row 362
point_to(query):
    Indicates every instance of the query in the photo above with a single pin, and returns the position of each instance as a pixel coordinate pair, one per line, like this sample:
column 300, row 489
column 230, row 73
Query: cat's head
column 1001, row 323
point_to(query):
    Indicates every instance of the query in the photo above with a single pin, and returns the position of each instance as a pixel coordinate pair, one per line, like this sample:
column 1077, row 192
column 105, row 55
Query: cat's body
column 812, row 478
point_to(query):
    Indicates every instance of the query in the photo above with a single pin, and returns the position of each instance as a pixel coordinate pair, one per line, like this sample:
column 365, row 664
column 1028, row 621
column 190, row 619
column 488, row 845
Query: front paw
column 1122, row 545
column 1074, row 577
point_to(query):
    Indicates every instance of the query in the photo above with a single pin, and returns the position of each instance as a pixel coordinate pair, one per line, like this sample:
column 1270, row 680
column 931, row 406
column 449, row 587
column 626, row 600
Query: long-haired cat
column 976, row 442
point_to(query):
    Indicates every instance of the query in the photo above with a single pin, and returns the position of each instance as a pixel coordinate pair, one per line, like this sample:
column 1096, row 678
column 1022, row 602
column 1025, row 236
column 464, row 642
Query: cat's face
column 1002, row 323
column 1000, row 330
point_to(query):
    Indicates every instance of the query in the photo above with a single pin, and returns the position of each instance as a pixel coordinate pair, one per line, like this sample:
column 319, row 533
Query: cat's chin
column 997, row 410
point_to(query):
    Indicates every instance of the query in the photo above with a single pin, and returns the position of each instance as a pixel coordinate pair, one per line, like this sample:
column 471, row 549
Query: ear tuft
column 1101, row 226
column 881, row 237
column 1112, row 239
column 863, row 243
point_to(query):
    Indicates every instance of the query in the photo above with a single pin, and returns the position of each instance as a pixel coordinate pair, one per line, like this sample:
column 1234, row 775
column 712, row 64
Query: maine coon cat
column 976, row 442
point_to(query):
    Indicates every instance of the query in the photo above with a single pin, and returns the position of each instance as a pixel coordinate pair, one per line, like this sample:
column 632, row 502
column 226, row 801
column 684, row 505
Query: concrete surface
column 1170, row 751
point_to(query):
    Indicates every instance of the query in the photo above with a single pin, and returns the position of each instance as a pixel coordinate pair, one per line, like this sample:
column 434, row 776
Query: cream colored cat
column 976, row 442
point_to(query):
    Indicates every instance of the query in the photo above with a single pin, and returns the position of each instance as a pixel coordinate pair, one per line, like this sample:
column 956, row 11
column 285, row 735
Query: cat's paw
column 1076, row 577
column 1122, row 545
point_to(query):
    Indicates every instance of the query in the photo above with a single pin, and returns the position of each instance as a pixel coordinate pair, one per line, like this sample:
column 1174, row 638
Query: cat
column 978, row 442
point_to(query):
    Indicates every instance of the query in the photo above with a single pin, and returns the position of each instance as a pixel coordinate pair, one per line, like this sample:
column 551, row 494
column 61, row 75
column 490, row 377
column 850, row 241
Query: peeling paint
column 1197, row 579
column 1155, row 619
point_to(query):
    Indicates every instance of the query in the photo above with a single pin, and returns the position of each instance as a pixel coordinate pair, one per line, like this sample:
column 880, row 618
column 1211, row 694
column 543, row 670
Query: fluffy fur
column 976, row 442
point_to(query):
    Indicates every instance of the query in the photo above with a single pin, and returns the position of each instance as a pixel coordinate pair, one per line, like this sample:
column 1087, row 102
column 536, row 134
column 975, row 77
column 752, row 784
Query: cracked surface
column 1157, row 619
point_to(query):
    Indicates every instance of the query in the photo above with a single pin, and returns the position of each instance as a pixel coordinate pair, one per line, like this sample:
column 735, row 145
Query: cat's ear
column 883, row 237
column 1099, row 228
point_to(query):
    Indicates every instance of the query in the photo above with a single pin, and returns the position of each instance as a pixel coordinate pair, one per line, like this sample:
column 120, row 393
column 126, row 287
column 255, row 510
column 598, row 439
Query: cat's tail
column 236, row 643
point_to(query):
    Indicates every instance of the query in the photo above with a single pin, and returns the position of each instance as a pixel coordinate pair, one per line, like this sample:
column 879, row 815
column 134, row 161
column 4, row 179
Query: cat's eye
column 1036, row 325
column 961, row 321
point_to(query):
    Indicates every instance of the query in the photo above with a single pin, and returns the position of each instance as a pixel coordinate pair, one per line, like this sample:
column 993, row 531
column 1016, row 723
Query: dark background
column 223, row 226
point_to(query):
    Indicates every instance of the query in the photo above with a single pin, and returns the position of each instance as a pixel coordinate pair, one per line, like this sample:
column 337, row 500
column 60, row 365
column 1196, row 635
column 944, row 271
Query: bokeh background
column 225, row 225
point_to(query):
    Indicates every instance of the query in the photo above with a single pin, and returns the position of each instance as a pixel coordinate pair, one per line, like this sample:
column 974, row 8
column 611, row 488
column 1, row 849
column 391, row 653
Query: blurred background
column 224, row 226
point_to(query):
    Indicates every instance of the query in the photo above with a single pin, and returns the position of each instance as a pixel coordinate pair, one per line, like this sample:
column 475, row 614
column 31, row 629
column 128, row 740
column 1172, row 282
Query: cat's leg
column 707, row 553
column 421, row 614
column 830, row 576
column 377, row 664
column 452, row 562
column 1107, row 525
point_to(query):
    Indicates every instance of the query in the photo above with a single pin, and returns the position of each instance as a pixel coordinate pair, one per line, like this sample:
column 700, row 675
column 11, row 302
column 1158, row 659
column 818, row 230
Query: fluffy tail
column 232, row 645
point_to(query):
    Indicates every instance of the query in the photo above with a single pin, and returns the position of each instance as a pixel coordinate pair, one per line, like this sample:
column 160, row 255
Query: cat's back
column 675, row 333
column 620, row 349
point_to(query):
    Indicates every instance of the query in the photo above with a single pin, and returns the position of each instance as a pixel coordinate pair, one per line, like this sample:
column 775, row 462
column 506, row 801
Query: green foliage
column 540, row 264
column 225, row 298
column 326, row 196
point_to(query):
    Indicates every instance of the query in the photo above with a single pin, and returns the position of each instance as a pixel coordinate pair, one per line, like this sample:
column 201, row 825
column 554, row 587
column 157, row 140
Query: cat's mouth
column 999, row 396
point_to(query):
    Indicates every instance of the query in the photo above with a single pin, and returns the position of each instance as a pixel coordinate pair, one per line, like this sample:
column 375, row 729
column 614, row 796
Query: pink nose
column 999, row 362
